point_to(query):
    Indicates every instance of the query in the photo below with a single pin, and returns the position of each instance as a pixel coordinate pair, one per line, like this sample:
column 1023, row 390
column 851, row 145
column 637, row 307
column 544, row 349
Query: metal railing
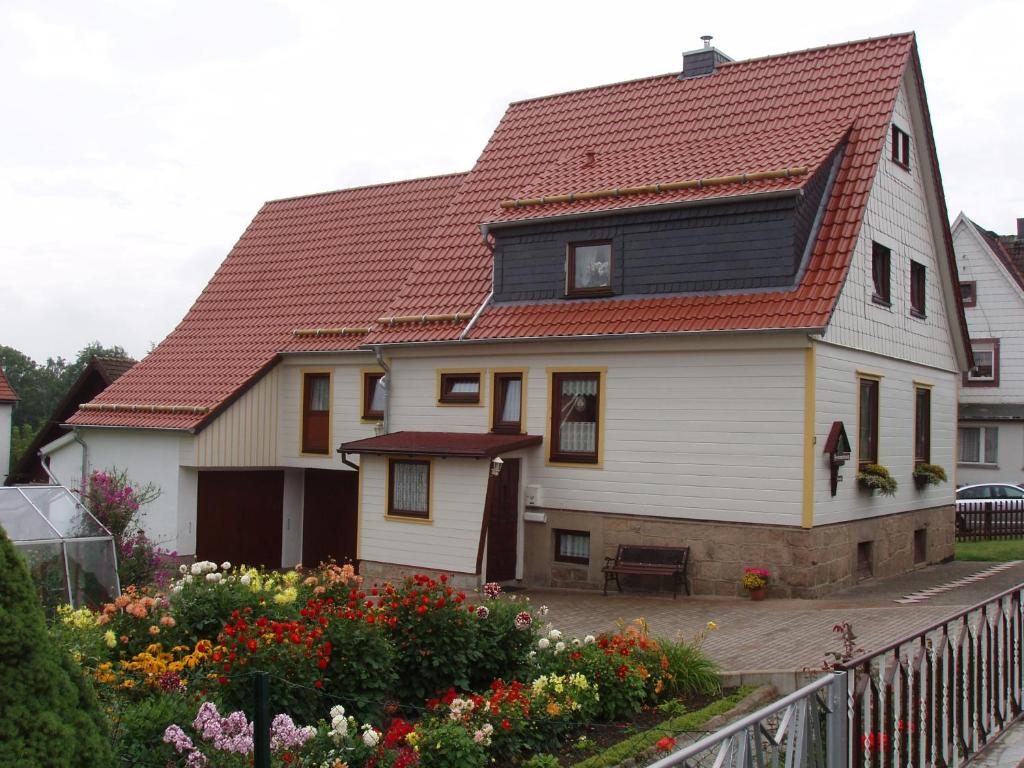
column 936, row 698
column 806, row 729
column 989, row 519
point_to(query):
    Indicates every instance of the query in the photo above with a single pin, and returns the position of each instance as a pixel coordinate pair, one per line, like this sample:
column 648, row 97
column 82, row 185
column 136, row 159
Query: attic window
column 969, row 292
column 880, row 267
column 589, row 269
column 901, row 148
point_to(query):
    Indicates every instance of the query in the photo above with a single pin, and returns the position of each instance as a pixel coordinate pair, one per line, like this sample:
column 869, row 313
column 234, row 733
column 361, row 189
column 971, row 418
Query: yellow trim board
column 810, row 414
column 602, row 375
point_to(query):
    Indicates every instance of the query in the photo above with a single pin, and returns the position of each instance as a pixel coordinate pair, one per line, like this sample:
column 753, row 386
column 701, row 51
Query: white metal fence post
column 838, row 722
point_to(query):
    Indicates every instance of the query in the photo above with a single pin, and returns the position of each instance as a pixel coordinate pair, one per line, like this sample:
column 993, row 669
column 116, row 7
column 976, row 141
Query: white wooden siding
column 999, row 314
column 897, row 217
column 450, row 541
column 245, row 434
column 837, row 400
column 6, row 409
column 690, row 431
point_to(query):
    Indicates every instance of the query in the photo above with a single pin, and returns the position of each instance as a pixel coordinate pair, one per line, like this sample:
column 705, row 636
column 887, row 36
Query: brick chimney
column 702, row 61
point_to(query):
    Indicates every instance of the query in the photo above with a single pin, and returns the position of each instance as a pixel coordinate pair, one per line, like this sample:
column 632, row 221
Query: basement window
column 901, row 148
column 572, row 547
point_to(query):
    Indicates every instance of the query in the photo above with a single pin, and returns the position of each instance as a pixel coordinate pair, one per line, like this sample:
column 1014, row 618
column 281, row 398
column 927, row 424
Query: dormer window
column 589, row 269
column 901, row 148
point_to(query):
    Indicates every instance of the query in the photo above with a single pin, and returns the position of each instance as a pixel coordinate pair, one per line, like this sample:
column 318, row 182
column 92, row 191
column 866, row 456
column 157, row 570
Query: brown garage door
column 329, row 516
column 239, row 517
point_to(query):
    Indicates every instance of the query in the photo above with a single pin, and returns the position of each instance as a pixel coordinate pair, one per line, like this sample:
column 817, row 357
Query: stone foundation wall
column 373, row 571
column 804, row 563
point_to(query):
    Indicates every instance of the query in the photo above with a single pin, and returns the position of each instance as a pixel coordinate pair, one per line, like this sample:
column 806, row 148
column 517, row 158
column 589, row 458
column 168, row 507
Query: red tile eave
column 452, row 444
column 7, row 393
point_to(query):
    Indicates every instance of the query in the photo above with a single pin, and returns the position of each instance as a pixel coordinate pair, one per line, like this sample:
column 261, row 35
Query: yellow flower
column 109, row 638
column 286, row 596
column 711, row 626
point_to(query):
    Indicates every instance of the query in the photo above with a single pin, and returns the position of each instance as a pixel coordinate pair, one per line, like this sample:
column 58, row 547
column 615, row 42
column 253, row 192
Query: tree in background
column 50, row 713
column 40, row 387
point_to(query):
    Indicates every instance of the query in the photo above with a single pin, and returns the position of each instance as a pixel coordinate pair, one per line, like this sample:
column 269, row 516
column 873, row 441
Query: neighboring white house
column 657, row 303
column 8, row 397
column 992, row 396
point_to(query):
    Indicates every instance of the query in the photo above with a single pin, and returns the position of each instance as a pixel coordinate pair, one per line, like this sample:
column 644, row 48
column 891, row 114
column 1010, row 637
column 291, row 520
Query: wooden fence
column 989, row 519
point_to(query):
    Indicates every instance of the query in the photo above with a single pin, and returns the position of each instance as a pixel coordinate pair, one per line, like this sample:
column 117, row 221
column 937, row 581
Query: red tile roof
column 752, row 115
column 995, row 244
column 7, row 393
column 328, row 260
column 464, row 444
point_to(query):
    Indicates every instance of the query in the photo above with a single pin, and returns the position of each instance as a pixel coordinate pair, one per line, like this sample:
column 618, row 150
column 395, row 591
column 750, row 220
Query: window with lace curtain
column 316, row 412
column 409, row 489
column 575, row 415
column 572, row 546
column 459, row 388
column 508, row 403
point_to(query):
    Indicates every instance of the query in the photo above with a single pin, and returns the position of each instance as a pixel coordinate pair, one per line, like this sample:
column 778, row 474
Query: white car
column 988, row 492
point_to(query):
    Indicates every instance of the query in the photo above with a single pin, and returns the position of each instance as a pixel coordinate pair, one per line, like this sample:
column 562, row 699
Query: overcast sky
column 140, row 137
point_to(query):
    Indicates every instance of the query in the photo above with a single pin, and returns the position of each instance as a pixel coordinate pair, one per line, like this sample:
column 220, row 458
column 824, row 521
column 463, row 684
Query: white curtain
column 465, row 387
column 319, row 393
column 577, row 436
column 574, row 545
column 377, row 401
column 411, row 487
column 510, row 410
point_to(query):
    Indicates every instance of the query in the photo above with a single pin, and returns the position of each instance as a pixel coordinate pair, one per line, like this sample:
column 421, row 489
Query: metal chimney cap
column 707, row 40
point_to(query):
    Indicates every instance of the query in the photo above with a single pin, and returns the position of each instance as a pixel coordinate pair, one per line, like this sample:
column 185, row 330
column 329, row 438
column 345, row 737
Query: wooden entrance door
column 238, row 517
column 330, row 511
column 503, row 522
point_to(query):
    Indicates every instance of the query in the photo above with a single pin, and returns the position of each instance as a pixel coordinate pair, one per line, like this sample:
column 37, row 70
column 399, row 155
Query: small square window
column 985, row 372
column 918, row 281
column 969, row 293
column 901, row 148
column 572, row 547
column 589, row 269
column 881, row 258
column 460, row 388
column 409, row 489
column 373, row 396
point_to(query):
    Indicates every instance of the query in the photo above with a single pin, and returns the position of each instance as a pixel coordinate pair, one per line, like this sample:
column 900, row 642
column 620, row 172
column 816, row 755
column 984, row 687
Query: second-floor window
column 508, row 403
column 867, row 445
column 589, row 269
column 880, row 263
column 922, row 425
column 459, row 388
column 918, row 280
column 575, row 417
column 316, row 413
column 969, row 293
column 985, row 372
column 901, row 147
column 373, row 395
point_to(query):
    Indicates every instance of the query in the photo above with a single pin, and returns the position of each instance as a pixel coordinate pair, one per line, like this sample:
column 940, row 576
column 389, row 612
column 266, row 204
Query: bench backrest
column 652, row 555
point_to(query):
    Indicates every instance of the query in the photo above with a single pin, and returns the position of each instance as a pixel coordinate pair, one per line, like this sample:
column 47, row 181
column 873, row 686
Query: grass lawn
column 991, row 551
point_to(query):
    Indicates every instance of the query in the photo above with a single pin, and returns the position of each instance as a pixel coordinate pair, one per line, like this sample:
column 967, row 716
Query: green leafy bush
column 929, row 474
column 875, row 477
column 50, row 713
column 445, row 744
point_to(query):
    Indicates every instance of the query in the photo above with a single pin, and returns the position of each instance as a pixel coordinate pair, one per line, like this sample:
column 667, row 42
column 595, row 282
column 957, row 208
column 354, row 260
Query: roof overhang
column 467, row 445
column 991, row 412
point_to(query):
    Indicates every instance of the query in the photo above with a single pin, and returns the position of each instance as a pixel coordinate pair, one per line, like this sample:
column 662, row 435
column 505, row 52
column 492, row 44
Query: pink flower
column 523, row 620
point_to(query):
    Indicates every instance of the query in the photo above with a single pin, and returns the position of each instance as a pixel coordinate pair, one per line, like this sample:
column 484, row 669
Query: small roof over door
column 461, row 444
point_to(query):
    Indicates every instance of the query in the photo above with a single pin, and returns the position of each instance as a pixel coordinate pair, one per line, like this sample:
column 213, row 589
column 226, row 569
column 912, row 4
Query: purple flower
column 175, row 736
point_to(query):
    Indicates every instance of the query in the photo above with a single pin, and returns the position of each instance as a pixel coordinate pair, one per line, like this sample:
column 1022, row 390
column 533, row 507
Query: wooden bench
column 648, row 560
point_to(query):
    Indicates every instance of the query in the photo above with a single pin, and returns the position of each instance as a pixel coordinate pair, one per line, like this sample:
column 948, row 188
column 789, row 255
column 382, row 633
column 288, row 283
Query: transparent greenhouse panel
column 59, row 507
column 20, row 520
column 92, row 572
column 46, row 564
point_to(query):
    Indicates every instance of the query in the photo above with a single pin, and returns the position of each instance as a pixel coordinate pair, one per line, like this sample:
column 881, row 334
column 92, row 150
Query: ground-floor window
column 979, row 445
column 409, row 489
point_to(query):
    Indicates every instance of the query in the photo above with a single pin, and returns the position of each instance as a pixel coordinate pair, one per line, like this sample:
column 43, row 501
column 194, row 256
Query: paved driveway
column 785, row 635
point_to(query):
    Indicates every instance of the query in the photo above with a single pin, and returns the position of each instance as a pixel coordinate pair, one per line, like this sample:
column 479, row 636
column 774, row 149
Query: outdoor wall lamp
column 496, row 465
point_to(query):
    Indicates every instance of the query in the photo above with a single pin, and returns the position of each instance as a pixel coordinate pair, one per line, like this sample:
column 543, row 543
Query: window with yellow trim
column 575, row 416
column 316, row 404
column 409, row 489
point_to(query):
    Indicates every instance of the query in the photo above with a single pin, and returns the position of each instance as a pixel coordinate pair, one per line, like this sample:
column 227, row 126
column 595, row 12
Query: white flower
column 370, row 737
column 588, row 639
column 246, row 578
column 576, row 642
column 554, row 634
column 337, row 711
column 531, row 655
column 188, row 579
column 488, row 729
column 543, row 610
column 182, row 568
column 213, row 577
column 543, row 643
column 225, row 566
column 176, row 589
column 197, row 568
column 559, row 646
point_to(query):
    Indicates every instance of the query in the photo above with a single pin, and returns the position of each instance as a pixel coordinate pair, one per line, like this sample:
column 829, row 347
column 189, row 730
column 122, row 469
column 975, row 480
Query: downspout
column 85, row 456
column 44, row 462
column 386, row 382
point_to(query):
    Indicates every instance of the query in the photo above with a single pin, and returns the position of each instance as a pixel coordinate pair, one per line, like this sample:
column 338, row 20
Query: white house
column 992, row 395
column 659, row 303
column 8, row 397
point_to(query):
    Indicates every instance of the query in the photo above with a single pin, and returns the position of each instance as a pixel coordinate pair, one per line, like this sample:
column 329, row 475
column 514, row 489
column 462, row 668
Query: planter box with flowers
column 928, row 474
column 874, row 477
column 755, row 581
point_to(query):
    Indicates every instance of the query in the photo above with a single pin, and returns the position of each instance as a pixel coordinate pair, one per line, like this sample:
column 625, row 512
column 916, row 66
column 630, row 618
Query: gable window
column 316, row 409
column 373, row 395
column 575, row 412
column 409, row 489
column 922, row 425
column 985, row 372
column 979, row 445
column 901, row 148
column 508, row 403
column 572, row 547
column 880, row 263
column 459, row 388
column 918, row 280
column 589, row 269
column 969, row 293
column 867, row 445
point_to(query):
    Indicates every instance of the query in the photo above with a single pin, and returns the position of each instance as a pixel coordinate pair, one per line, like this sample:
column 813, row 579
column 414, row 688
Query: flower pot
column 921, row 482
column 758, row 594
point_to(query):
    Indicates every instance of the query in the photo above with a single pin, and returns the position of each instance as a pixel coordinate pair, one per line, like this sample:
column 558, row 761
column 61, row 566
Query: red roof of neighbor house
column 322, row 261
column 7, row 393
column 999, row 250
column 748, row 116
column 319, row 272
column 457, row 444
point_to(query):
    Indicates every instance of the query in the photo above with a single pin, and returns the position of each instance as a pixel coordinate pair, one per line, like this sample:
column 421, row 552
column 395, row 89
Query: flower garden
column 387, row 675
